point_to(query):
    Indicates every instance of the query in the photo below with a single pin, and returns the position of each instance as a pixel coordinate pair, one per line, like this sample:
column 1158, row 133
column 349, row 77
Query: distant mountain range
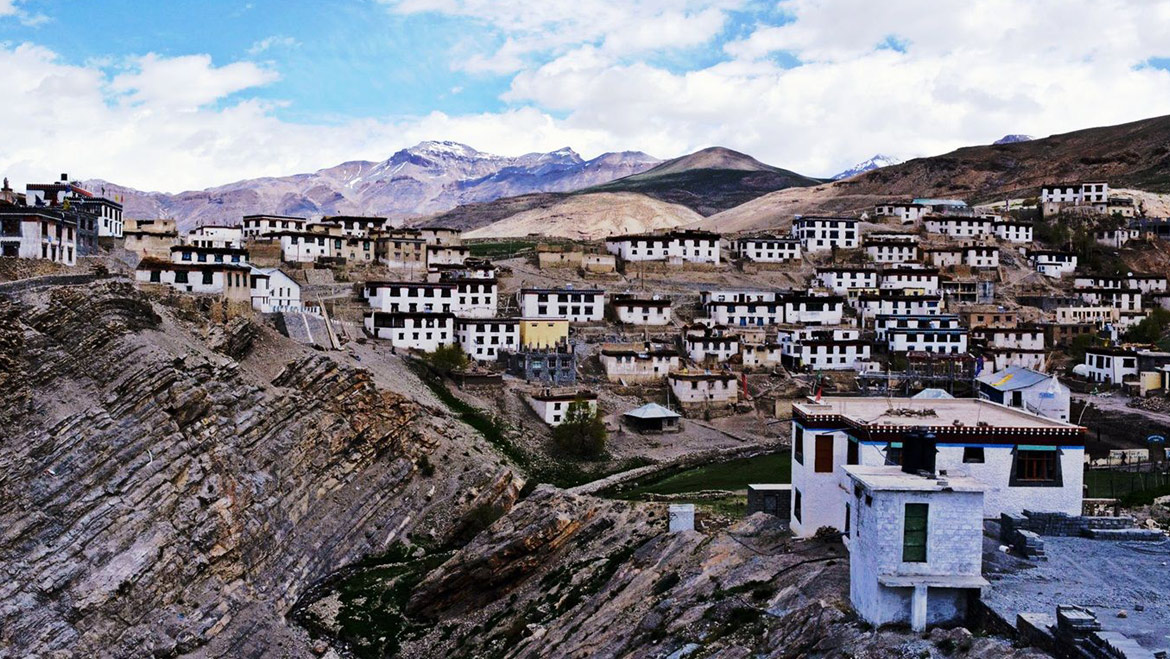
column 428, row 178
column 677, row 192
column 876, row 162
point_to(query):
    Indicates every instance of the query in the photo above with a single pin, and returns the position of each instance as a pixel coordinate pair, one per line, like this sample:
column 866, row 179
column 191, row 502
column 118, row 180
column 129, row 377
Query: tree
column 447, row 358
column 1150, row 329
column 582, row 434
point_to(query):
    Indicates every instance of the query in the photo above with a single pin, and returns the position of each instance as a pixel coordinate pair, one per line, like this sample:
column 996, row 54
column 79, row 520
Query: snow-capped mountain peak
column 1013, row 138
column 877, row 162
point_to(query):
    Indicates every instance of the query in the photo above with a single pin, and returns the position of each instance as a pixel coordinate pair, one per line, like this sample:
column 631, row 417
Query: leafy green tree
column 1151, row 328
column 447, row 358
column 582, row 434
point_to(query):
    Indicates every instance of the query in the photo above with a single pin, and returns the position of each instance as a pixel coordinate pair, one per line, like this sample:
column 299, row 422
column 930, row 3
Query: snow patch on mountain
column 877, row 162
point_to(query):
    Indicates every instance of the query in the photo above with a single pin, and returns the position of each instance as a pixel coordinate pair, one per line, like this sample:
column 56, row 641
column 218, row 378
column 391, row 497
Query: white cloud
column 619, row 28
column 187, row 82
column 10, row 8
column 274, row 41
column 968, row 75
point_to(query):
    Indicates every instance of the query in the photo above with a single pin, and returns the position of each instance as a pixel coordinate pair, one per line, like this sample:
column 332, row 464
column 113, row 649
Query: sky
column 182, row 95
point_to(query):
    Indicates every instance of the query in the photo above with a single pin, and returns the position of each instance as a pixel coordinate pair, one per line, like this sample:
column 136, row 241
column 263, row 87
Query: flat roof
column 892, row 478
column 898, row 413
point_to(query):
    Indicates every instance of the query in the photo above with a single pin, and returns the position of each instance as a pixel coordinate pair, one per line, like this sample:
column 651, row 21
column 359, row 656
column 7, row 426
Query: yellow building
column 543, row 332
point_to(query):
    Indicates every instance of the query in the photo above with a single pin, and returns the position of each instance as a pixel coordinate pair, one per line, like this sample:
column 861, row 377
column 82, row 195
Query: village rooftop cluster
column 907, row 292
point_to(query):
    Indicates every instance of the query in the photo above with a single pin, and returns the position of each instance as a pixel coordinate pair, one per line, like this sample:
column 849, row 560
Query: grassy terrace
column 733, row 475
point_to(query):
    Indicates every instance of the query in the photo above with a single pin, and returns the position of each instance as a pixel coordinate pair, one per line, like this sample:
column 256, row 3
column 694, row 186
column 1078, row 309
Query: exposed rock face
column 573, row 576
column 158, row 498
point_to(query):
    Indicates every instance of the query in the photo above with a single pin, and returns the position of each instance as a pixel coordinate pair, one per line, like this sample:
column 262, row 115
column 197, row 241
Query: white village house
column 818, row 234
column 482, row 339
column 577, row 305
column 1024, row 460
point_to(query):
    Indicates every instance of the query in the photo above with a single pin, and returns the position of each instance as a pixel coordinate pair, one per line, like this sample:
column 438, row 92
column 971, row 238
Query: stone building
column 915, row 545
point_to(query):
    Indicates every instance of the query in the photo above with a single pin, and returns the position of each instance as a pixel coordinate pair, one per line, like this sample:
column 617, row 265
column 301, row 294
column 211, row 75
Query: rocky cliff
column 575, row 576
column 158, row 497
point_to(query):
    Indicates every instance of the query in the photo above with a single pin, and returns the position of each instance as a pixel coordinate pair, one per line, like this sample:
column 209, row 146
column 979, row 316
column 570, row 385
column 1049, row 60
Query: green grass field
column 733, row 475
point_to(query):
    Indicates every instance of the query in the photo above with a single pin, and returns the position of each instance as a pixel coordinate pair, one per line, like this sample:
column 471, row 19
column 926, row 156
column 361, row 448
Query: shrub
column 582, row 434
column 447, row 358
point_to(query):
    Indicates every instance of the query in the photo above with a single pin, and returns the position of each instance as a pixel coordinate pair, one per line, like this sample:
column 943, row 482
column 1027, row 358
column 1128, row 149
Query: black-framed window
column 796, row 503
column 798, row 446
column 1032, row 467
column 914, row 533
column 973, row 455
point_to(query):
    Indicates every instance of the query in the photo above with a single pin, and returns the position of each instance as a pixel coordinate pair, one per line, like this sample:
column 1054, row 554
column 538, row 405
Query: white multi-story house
column 425, row 331
column 109, row 215
column 1074, row 193
column 972, row 256
column 695, row 391
column 909, row 277
column 638, row 363
column 632, row 310
column 1084, row 282
column 906, row 211
column 736, row 295
column 1052, row 263
column 357, row 226
column 710, row 346
column 813, row 309
column 577, row 305
column 1148, row 283
column 842, row 280
column 915, row 545
column 823, row 348
column 818, row 234
column 412, row 297
column 304, row 246
column 1111, row 365
column 438, row 254
column 32, row 233
column 482, row 339
column 869, row 305
column 232, row 281
column 474, row 297
column 210, row 235
column 766, row 249
column 1098, row 315
column 1013, row 346
column 891, row 248
column 254, row 226
column 685, row 246
column 746, row 312
column 193, row 254
column 274, row 291
column 553, row 408
column 882, row 323
column 960, row 226
column 1014, row 231
column 1123, row 299
column 1025, row 461
column 927, row 338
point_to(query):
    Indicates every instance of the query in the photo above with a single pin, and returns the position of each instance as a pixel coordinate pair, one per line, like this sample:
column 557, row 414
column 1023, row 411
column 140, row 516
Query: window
column 155, row 276
column 180, row 276
column 914, row 533
column 853, row 448
column 207, row 277
column 1036, row 466
column 796, row 504
column 798, row 446
column 823, row 460
column 973, row 454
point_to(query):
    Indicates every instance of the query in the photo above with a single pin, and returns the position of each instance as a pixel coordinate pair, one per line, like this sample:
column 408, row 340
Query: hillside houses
column 676, row 247
column 818, row 234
